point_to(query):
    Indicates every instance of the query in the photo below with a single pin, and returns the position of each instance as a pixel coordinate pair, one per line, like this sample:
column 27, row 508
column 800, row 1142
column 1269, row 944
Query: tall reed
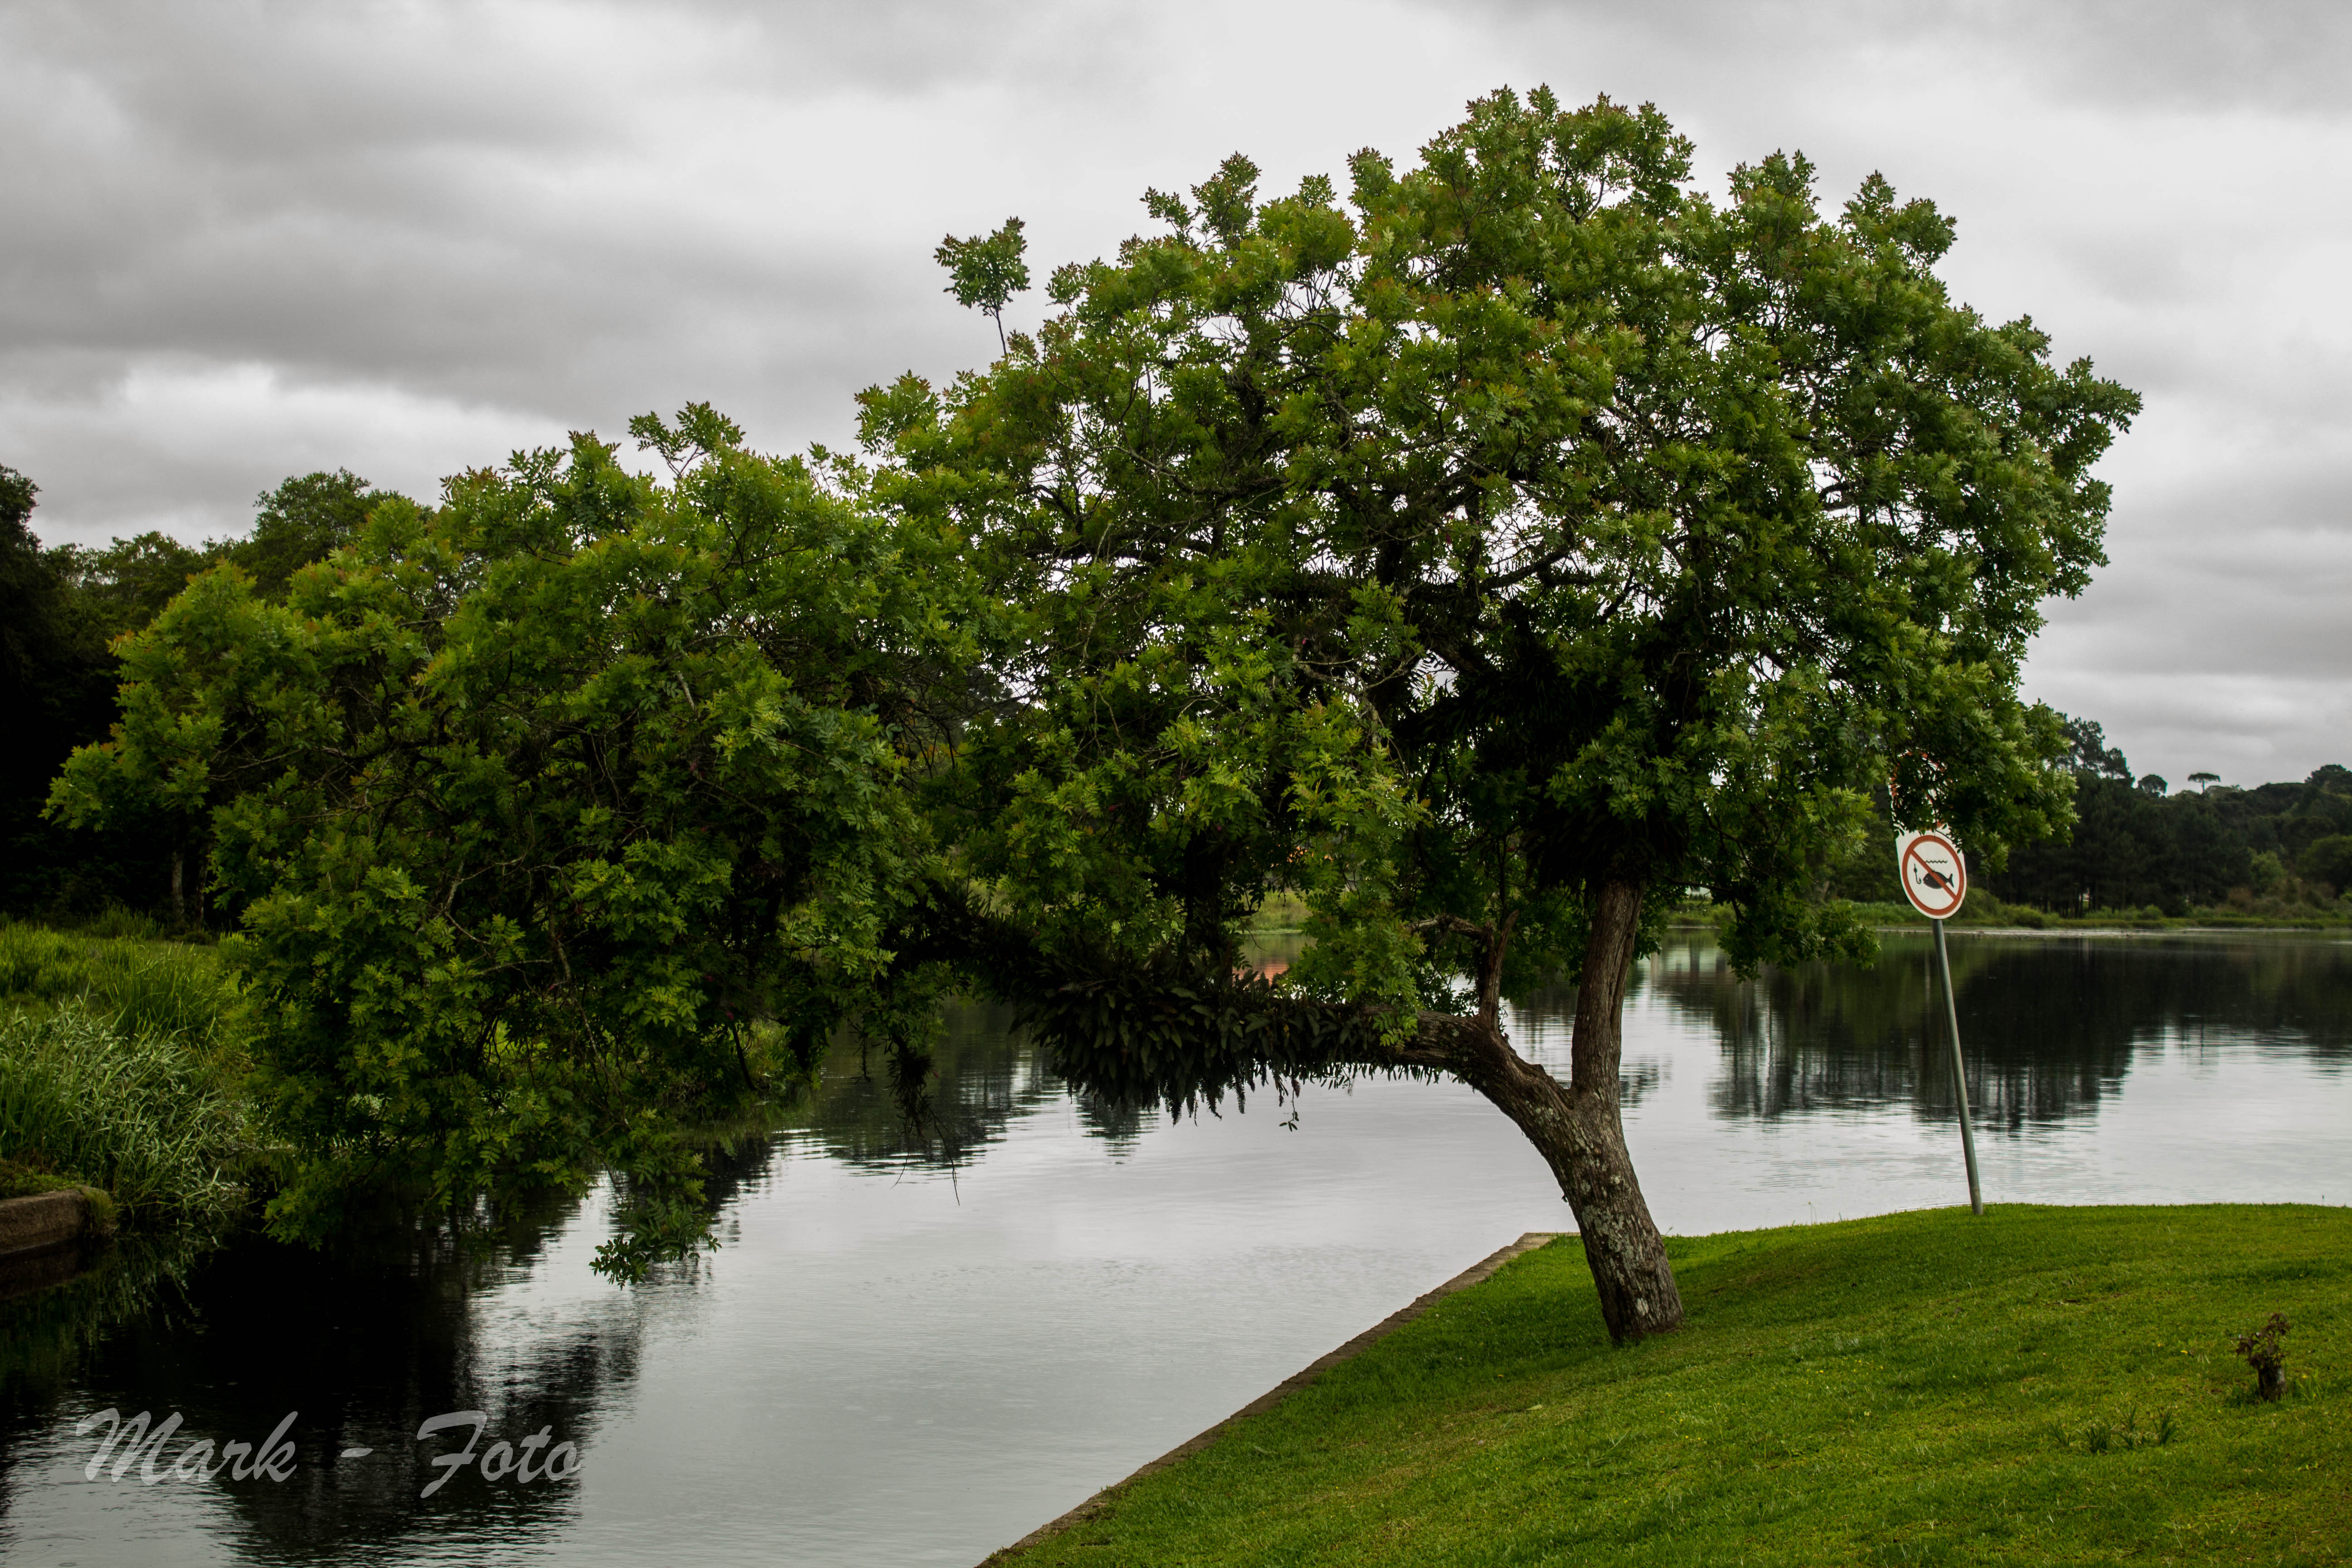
column 144, row 1115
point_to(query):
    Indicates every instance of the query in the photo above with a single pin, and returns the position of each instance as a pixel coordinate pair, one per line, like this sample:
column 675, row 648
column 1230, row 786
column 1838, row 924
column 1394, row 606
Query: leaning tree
column 1487, row 559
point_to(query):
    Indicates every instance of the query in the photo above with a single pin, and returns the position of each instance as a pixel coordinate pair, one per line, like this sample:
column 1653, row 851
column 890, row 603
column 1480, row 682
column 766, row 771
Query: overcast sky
column 247, row 240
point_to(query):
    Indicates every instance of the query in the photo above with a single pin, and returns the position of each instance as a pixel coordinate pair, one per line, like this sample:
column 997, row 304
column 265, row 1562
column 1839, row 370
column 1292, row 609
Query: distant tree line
column 2270, row 848
column 61, row 608
column 2136, row 844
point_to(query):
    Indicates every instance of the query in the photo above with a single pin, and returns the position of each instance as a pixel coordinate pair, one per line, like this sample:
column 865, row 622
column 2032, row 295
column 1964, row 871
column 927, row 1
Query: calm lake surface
column 906, row 1355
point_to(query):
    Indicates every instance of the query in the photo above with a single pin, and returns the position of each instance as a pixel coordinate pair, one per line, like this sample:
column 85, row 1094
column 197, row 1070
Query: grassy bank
column 2039, row 1385
column 144, row 984
column 118, row 1071
column 1982, row 910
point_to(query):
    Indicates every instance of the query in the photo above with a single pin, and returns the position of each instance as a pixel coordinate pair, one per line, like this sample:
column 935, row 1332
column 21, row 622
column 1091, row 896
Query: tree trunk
column 1577, row 1128
column 179, row 904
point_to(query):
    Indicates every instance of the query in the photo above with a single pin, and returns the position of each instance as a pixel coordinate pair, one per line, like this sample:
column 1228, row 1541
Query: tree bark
column 1576, row 1126
column 179, row 903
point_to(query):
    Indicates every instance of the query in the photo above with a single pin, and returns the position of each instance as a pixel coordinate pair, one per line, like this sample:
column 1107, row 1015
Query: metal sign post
column 1936, row 880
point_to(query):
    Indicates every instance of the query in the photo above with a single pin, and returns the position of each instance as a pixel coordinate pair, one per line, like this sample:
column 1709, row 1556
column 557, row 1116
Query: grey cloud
column 2265, row 604
column 442, row 197
column 432, row 202
column 244, row 240
column 2175, row 53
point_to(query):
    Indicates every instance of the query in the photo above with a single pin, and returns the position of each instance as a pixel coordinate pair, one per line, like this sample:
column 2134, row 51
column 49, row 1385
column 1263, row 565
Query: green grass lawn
column 2039, row 1385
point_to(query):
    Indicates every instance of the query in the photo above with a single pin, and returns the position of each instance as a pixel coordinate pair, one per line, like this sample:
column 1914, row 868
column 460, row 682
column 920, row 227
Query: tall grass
column 148, row 987
column 115, row 1066
column 147, row 1116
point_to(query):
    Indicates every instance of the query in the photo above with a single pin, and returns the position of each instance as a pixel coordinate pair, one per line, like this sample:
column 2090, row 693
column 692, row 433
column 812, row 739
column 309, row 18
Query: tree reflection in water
column 2048, row 1026
column 985, row 1075
column 368, row 1339
column 364, row 1340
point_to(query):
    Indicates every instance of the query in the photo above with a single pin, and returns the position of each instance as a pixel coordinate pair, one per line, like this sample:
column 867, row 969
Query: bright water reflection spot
column 907, row 1356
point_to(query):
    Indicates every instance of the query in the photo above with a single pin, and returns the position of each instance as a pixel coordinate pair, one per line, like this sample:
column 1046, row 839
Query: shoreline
column 1485, row 1268
column 2338, row 928
column 1922, row 928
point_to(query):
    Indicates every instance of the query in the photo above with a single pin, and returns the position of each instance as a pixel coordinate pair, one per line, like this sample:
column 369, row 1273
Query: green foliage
column 1524, row 523
column 985, row 271
column 2039, row 1385
column 124, row 585
column 119, row 1057
column 303, row 520
column 2330, row 860
column 52, row 692
column 16, row 501
column 534, row 803
column 29, row 608
column 61, row 609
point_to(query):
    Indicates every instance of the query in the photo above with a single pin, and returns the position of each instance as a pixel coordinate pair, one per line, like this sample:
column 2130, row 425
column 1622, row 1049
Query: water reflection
column 2048, row 1026
column 985, row 1077
column 362, row 1342
column 884, row 1365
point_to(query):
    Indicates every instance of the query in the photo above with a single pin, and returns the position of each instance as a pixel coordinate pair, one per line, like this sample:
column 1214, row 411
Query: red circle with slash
column 1935, row 877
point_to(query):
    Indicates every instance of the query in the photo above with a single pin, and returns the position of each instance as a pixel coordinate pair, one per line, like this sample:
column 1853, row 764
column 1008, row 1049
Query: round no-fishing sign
column 1935, row 877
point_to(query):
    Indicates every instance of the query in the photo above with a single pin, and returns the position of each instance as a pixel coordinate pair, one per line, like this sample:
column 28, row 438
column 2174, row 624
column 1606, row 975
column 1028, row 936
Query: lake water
column 915, row 1355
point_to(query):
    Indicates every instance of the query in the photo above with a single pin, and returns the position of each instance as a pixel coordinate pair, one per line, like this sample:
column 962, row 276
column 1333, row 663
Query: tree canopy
column 61, row 607
column 534, row 802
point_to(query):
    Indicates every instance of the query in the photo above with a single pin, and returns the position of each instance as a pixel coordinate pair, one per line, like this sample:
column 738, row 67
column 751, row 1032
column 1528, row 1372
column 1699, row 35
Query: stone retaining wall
column 42, row 1222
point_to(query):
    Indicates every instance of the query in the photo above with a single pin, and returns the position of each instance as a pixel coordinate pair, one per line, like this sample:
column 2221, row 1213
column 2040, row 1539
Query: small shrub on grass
column 2261, row 1349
